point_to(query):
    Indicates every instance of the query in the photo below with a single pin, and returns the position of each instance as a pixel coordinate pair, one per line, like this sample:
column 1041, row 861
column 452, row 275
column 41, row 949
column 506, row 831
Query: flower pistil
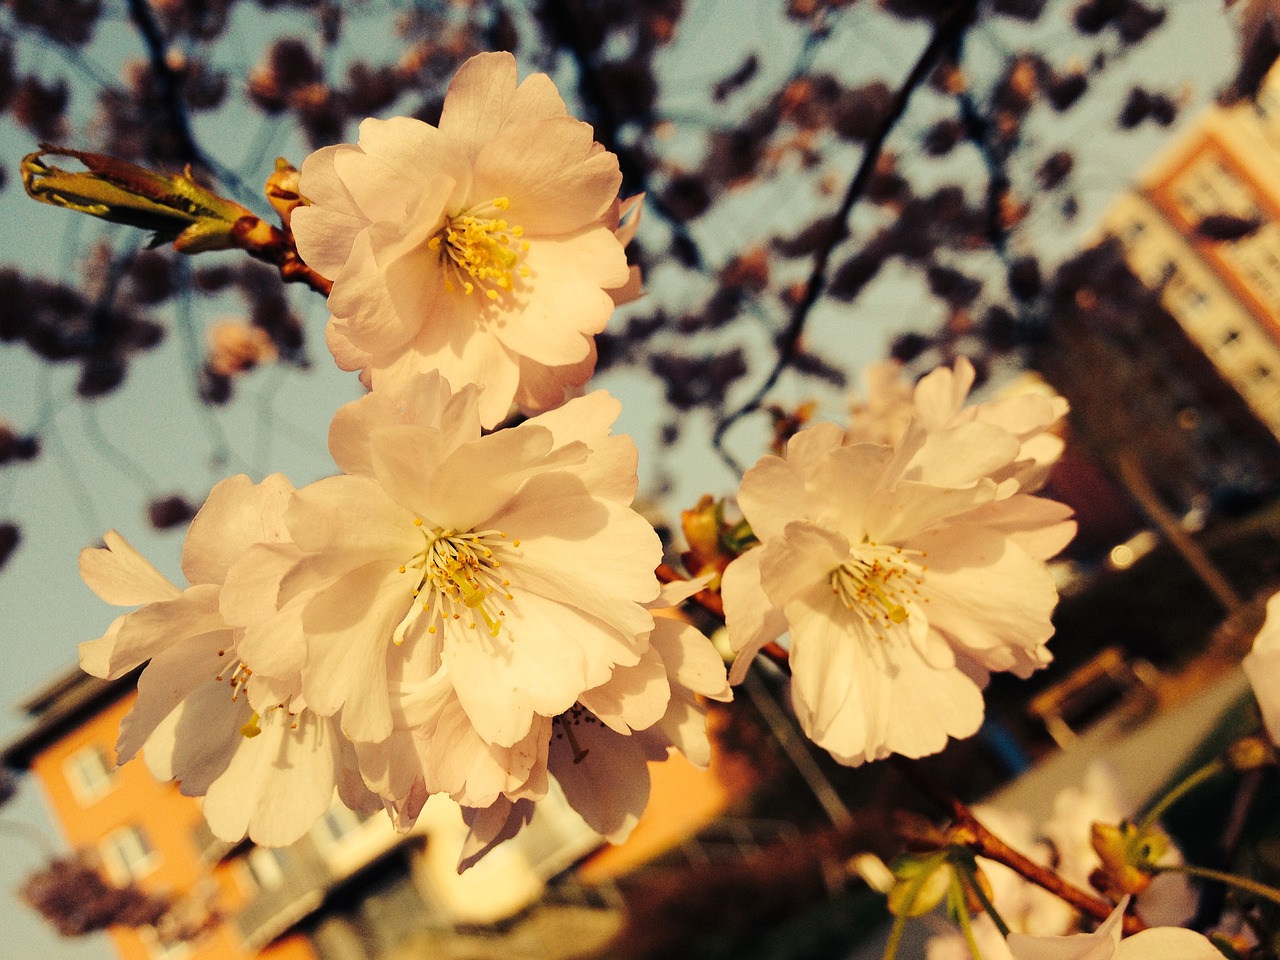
column 877, row 582
column 458, row 572
column 482, row 248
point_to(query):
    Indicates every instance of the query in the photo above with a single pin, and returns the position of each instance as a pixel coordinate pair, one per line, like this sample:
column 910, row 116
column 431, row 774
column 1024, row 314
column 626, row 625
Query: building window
column 89, row 772
column 266, row 867
column 338, row 823
column 127, row 855
column 159, row 950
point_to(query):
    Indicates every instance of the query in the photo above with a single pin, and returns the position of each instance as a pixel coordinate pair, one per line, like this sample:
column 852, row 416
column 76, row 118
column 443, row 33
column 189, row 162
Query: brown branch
column 143, row 18
column 605, row 122
column 272, row 245
column 949, row 27
column 968, row 830
column 987, row 844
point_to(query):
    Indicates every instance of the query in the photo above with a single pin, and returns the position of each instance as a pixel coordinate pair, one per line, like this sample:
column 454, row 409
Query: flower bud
column 282, row 189
column 1251, row 753
column 1129, row 856
column 921, row 883
column 173, row 206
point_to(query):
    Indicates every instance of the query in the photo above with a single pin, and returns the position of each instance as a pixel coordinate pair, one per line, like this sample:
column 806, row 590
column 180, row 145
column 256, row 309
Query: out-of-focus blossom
column 1262, row 667
column 236, row 347
column 1168, row 900
column 1156, row 943
column 1024, row 907
column 882, row 416
column 904, row 574
column 952, row 945
column 484, row 248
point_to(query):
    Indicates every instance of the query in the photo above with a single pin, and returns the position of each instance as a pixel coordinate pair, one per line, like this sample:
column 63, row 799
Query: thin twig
column 175, row 108
column 949, row 27
column 144, row 19
column 984, row 843
column 276, row 246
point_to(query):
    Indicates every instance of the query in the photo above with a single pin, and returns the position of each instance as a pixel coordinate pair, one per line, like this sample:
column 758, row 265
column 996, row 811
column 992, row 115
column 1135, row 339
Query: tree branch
column 967, row 830
column 949, row 27
column 605, row 122
column 143, row 18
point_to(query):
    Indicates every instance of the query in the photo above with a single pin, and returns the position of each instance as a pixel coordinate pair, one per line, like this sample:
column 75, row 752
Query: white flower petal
column 751, row 619
column 606, row 779
column 119, row 574
column 237, row 514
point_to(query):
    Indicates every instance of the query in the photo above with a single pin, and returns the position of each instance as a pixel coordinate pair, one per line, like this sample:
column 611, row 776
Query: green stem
column 1207, row 772
column 961, row 908
column 900, row 919
column 987, row 905
column 895, row 937
column 1230, row 879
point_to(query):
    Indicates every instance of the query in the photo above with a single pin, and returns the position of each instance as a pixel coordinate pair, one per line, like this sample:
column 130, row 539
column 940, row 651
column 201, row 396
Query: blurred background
column 1078, row 195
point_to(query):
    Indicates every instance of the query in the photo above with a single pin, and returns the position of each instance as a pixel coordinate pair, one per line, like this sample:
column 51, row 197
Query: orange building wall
column 168, row 819
column 682, row 799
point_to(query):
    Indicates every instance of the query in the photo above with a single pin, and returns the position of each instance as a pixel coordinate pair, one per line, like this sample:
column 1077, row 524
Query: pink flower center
column 878, row 582
column 459, row 576
column 481, row 250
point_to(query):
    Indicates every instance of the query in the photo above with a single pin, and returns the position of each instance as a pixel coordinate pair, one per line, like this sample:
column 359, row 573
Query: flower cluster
column 469, row 607
column 905, row 573
column 456, row 613
column 459, row 613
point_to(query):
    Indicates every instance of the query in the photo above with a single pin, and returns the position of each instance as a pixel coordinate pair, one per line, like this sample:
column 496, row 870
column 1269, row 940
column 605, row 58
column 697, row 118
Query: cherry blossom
column 1099, row 798
column 904, row 574
column 266, row 768
column 512, row 559
column 1156, row 943
column 484, row 248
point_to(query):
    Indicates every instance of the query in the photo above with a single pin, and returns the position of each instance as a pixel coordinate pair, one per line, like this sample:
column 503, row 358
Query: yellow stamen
column 457, row 571
column 877, row 582
column 477, row 248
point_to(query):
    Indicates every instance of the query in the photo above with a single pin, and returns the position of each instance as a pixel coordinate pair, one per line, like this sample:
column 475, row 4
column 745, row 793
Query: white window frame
column 264, row 868
column 159, row 950
column 90, row 774
column 127, row 854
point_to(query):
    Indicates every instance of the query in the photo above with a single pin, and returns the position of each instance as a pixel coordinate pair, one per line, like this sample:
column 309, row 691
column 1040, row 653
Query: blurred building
column 1203, row 227
column 1165, row 335
column 352, row 888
